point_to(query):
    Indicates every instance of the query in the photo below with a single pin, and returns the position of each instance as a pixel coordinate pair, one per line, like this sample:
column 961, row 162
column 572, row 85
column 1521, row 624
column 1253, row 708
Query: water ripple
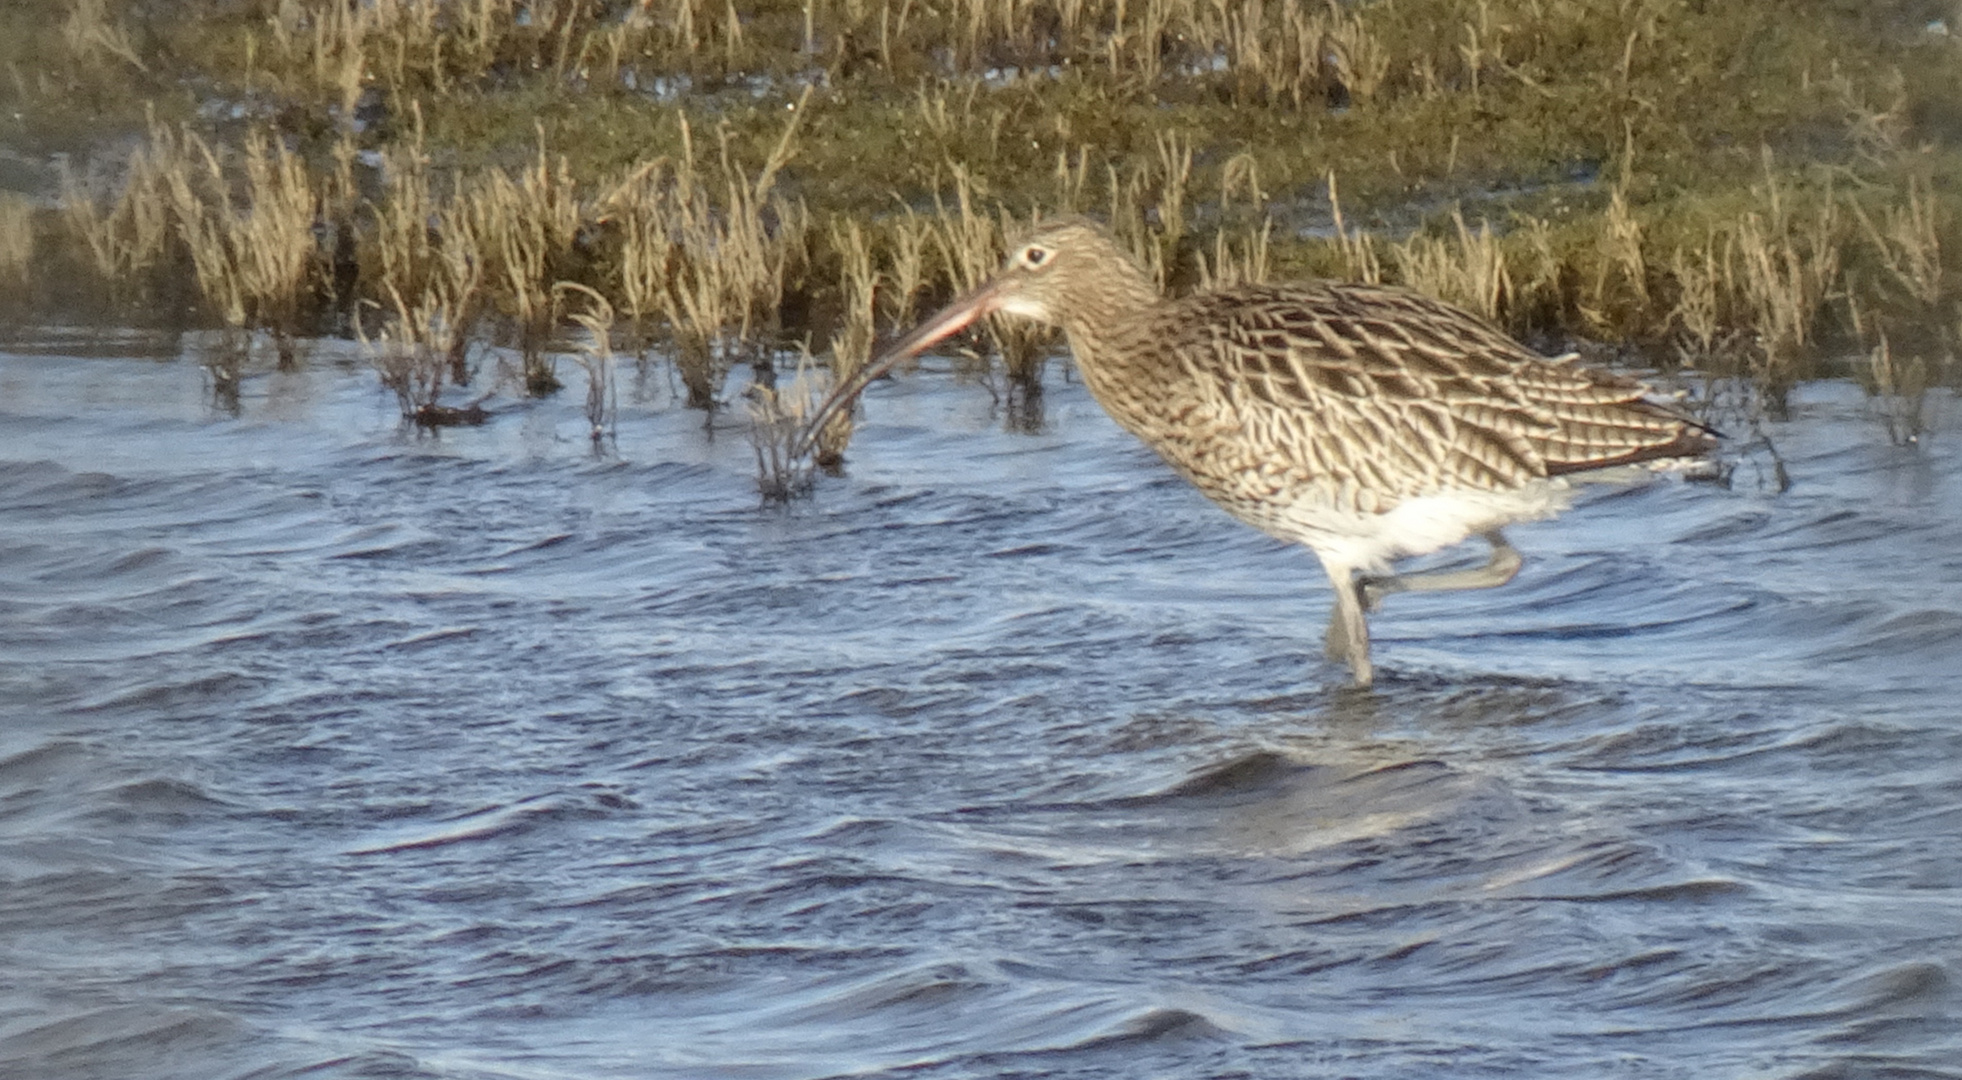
column 330, row 749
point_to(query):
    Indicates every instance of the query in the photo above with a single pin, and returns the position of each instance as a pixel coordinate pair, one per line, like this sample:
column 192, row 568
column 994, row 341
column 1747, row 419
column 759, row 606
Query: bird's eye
column 1034, row 254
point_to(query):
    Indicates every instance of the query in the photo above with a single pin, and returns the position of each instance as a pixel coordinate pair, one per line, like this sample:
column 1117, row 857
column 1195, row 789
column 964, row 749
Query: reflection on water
column 332, row 749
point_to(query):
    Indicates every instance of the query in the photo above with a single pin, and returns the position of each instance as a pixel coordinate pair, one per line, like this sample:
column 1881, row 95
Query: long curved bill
column 949, row 321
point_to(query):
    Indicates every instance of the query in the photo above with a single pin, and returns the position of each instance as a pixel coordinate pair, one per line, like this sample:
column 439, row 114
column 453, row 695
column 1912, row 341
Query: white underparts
column 1370, row 542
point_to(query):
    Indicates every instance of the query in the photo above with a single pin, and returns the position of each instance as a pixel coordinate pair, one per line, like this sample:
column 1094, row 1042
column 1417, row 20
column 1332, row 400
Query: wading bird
column 1368, row 422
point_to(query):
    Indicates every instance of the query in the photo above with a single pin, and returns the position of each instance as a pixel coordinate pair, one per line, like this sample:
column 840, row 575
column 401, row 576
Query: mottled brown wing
column 1386, row 390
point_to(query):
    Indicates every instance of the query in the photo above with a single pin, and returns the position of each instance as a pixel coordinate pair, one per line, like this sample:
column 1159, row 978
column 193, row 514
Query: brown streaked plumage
column 1367, row 422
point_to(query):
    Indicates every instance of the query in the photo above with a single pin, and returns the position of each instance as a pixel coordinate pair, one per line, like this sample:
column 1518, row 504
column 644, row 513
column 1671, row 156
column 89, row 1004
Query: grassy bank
column 1752, row 188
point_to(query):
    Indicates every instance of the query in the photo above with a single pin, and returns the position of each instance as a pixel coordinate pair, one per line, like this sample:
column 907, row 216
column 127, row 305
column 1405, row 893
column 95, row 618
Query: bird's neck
column 1107, row 323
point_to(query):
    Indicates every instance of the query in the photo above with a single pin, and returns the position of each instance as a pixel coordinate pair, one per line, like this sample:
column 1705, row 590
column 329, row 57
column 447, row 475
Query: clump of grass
column 1149, row 206
column 423, row 258
column 776, row 420
column 1287, row 59
column 1618, row 294
column 637, row 213
column 1245, row 263
column 249, row 238
column 525, row 227
column 131, row 235
column 1697, row 313
column 1785, row 273
column 715, row 269
column 1898, row 388
column 1915, row 291
column 1467, row 268
column 246, row 231
column 1786, row 266
column 907, row 237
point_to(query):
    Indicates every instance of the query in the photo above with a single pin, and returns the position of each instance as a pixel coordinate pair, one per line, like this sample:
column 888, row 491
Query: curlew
column 1367, row 422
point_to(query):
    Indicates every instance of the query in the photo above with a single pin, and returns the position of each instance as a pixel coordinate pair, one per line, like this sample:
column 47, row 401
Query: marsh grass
column 1619, row 294
column 1783, row 185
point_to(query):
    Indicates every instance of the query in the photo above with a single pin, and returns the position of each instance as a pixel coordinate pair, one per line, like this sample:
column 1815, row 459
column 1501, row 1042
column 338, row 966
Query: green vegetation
column 1750, row 187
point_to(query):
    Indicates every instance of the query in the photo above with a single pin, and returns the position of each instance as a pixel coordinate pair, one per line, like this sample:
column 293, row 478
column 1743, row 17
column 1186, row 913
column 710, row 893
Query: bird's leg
column 1497, row 570
column 1348, row 632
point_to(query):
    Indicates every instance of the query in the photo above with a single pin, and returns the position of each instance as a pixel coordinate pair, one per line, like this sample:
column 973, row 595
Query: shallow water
column 332, row 749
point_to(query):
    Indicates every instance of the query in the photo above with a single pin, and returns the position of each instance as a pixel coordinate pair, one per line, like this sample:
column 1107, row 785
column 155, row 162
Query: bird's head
column 1057, row 274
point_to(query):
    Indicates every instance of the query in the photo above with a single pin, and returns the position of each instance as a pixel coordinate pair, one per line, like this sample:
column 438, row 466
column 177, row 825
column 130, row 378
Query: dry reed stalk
column 1174, row 179
column 1072, row 177
column 1784, row 269
column 274, row 248
column 1160, row 186
column 1239, row 180
column 1537, row 274
column 684, row 17
column 1908, row 243
column 408, row 47
column 1268, row 61
column 696, row 296
column 1899, row 389
column 133, row 234
column 1246, row 266
column 969, row 244
column 714, row 269
column 595, row 355
column 204, row 235
column 1361, row 61
column 737, row 262
column 940, row 118
column 1698, row 310
column 907, row 238
column 639, row 213
column 1470, row 272
column 327, row 43
column 1358, row 248
column 1622, row 270
column 16, row 239
column 851, row 346
column 88, row 30
column 1126, row 213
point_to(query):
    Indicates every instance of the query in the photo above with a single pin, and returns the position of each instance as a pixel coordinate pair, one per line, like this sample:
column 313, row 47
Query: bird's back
column 1365, row 396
